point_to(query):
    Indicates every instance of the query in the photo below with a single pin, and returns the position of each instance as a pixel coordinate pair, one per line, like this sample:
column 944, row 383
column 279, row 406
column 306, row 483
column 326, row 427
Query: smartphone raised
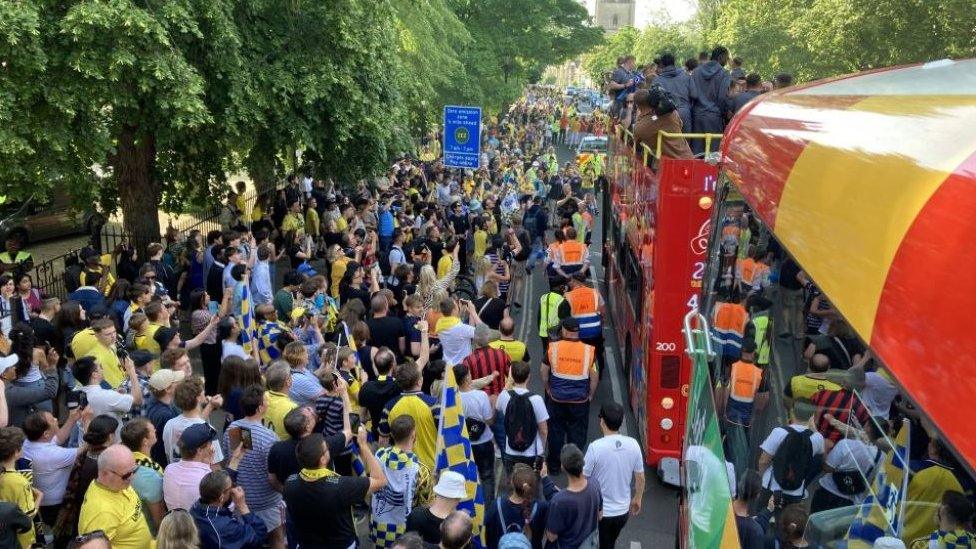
column 246, row 439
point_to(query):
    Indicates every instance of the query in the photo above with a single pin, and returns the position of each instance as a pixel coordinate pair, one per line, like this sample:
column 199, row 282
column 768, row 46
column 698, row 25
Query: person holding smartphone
column 252, row 473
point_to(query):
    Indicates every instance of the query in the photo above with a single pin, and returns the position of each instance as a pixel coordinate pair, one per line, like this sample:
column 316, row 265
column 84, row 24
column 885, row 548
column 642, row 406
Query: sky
column 680, row 10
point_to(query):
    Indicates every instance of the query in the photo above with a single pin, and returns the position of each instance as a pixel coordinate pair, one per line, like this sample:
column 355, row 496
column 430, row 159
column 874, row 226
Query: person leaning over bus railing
column 656, row 112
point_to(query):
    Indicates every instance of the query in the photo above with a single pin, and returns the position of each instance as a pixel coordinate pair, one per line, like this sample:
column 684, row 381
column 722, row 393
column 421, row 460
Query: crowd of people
column 699, row 97
column 846, row 415
column 279, row 382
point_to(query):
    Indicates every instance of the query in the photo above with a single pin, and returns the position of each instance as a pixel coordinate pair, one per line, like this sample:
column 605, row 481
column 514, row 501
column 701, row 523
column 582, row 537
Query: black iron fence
column 51, row 276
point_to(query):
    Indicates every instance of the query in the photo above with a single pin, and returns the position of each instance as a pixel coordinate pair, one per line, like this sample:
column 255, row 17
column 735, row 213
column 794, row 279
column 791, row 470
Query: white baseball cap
column 8, row 362
column 451, row 485
column 165, row 377
column 888, row 542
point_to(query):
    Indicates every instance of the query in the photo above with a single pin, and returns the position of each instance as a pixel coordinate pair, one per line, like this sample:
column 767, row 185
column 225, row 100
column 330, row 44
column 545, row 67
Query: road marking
column 611, row 358
column 524, row 312
column 635, row 545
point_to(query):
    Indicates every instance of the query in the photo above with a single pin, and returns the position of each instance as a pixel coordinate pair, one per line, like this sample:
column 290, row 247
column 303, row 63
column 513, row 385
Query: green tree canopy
column 147, row 104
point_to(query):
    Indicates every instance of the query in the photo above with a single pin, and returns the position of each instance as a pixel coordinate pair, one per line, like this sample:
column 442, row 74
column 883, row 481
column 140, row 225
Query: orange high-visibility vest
column 584, row 304
column 570, row 362
column 729, row 327
column 573, row 252
column 744, row 380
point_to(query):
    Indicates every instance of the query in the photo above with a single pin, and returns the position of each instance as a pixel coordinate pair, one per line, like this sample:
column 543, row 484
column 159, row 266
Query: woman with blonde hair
column 428, row 282
column 491, row 308
column 178, row 531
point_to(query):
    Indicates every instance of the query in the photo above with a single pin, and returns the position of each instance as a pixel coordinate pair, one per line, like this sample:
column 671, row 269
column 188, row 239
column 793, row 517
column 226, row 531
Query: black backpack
column 521, row 427
column 793, row 459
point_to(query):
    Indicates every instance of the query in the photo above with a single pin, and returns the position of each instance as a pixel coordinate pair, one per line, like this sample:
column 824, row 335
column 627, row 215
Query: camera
column 77, row 399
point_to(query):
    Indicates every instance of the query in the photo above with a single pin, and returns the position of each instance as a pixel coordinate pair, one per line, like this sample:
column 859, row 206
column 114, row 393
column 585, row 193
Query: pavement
column 657, row 523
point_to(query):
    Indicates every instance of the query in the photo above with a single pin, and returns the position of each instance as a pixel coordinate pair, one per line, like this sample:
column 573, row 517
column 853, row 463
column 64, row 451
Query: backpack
column 851, row 483
column 520, row 424
column 512, row 535
column 793, row 459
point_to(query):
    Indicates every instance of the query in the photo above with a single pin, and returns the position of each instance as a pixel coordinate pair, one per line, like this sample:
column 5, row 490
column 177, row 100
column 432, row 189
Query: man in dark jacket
column 710, row 102
column 678, row 83
column 219, row 527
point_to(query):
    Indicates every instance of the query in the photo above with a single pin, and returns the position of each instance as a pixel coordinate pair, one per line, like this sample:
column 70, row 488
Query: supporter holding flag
column 454, row 453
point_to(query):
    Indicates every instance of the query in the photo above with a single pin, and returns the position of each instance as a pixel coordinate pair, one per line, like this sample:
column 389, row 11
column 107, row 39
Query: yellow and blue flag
column 880, row 513
column 454, row 453
column 248, row 326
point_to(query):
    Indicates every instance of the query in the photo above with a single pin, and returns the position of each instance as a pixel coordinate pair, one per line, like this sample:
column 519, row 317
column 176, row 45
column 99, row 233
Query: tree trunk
column 139, row 191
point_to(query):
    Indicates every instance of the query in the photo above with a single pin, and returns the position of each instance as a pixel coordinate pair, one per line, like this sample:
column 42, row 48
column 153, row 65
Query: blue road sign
column 462, row 136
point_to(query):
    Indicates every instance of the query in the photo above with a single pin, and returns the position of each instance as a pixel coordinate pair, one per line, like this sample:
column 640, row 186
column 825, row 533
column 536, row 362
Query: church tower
column 613, row 14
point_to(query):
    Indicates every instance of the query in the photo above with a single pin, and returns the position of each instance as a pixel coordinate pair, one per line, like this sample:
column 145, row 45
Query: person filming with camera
column 656, row 112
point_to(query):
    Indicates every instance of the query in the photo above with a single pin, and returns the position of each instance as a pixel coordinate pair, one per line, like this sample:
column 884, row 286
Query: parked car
column 42, row 217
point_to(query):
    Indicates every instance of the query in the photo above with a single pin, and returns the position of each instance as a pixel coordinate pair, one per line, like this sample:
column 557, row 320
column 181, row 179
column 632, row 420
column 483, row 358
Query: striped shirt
column 482, row 362
column 305, row 387
column 329, row 411
column 252, row 473
column 499, row 270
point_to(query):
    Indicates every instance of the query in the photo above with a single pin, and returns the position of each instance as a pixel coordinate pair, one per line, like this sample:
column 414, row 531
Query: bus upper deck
column 862, row 188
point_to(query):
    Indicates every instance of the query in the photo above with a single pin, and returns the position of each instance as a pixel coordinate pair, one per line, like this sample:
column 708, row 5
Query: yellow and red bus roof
column 870, row 182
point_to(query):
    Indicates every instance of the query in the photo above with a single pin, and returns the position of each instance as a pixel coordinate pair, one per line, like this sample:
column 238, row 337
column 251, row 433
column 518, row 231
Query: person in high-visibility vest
column 15, row 260
column 569, row 377
column 758, row 330
column 587, row 307
column 746, row 388
column 550, row 305
column 729, row 321
column 574, row 256
column 752, row 272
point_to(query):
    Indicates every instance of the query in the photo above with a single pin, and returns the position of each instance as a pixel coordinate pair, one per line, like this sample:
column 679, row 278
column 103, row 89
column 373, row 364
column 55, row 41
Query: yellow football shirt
column 15, row 489
column 278, row 407
column 118, row 514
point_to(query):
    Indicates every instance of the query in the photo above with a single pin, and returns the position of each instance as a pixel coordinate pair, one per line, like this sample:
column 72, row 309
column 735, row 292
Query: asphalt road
column 657, row 523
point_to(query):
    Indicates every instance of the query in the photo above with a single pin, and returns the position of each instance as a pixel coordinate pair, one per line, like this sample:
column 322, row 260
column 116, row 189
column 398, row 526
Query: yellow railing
column 708, row 137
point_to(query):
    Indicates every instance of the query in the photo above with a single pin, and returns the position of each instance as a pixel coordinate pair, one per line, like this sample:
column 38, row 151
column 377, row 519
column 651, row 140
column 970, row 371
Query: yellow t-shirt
column 83, row 342
column 444, row 265
column 111, row 368
column 312, row 222
column 421, row 411
column 146, row 341
column 278, row 407
column 341, row 224
column 514, row 349
column 242, row 207
column 15, row 489
column 118, row 514
column 480, row 243
column 338, row 270
column 293, row 222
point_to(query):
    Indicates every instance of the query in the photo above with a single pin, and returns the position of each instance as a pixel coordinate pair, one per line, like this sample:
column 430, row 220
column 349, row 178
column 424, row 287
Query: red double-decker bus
column 656, row 227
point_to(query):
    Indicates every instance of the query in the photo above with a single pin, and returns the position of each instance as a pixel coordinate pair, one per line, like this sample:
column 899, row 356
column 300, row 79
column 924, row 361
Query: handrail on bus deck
column 708, row 137
column 689, row 333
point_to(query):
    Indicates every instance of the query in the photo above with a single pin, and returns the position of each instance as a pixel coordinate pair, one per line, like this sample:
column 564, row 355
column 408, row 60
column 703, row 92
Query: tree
column 601, row 60
column 513, row 41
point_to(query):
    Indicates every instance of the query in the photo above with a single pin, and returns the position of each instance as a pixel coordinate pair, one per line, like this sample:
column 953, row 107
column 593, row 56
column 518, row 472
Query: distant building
column 613, row 14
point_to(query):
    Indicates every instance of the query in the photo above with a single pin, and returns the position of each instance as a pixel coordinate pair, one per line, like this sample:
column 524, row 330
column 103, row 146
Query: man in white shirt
column 456, row 336
column 50, row 462
column 511, row 456
column 801, row 421
column 88, row 372
column 195, row 406
column 479, row 416
column 613, row 461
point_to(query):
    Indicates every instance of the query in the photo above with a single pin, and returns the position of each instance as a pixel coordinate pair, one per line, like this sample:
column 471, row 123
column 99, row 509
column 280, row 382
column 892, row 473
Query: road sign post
column 462, row 137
